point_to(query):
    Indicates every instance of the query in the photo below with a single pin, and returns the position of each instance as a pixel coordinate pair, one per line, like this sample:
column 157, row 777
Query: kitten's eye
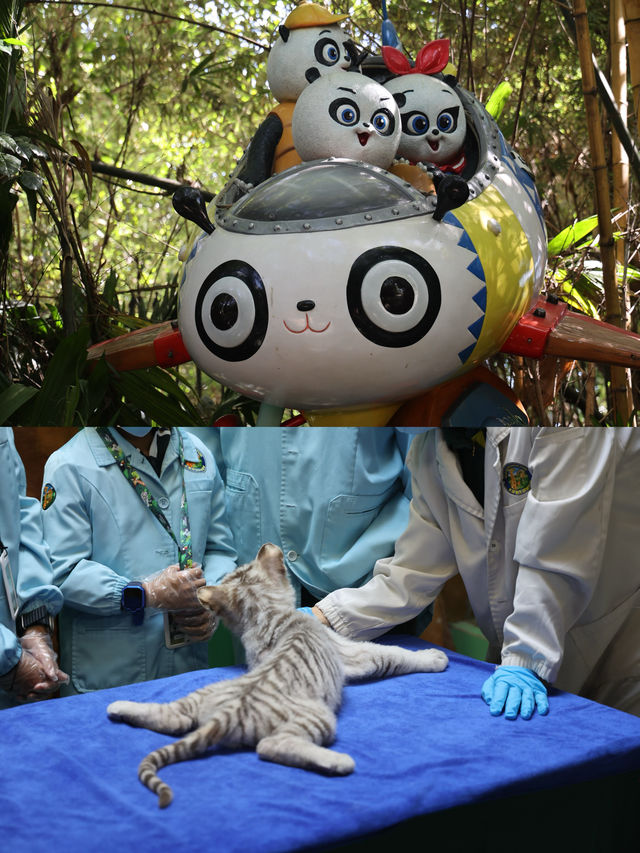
column 344, row 111
column 232, row 312
column 384, row 122
column 415, row 123
column 327, row 52
column 393, row 296
column 447, row 121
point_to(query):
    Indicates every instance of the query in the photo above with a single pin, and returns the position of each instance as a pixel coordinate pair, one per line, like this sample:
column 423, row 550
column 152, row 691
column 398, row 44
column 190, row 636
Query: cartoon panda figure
column 310, row 44
column 433, row 119
column 346, row 115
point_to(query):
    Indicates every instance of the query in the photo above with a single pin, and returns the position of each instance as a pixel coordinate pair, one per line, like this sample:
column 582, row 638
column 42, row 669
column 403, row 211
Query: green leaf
column 572, row 235
column 13, row 398
column 498, row 99
column 30, row 181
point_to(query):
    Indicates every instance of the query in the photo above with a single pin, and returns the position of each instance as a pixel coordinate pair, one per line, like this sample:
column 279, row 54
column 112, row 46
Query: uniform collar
column 104, row 458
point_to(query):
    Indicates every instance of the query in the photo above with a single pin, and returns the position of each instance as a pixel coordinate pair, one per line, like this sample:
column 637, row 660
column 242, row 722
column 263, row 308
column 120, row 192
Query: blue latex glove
column 514, row 689
column 307, row 610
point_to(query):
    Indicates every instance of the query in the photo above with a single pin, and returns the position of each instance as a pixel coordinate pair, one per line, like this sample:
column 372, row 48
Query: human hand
column 197, row 624
column 514, row 689
column 37, row 641
column 27, row 680
column 175, row 589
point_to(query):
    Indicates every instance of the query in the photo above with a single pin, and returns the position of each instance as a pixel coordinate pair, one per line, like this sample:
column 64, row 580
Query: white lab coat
column 552, row 574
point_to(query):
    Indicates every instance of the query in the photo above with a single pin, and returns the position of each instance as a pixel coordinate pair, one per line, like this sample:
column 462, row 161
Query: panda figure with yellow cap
column 311, row 43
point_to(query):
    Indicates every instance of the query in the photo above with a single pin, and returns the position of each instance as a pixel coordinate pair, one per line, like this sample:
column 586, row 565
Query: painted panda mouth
column 434, row 144
column 363, row 138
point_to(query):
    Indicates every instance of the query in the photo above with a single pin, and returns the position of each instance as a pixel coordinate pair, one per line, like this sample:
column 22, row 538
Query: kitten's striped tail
column 195, row 743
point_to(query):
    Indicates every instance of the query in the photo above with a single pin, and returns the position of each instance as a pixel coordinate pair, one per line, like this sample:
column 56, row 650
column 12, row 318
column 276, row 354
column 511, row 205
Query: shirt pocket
column 242, row 498
column 348, row 517
column 106, row 651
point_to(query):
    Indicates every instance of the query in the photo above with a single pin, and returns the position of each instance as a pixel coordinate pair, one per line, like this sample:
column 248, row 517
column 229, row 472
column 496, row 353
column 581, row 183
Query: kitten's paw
column 434, row 660
column 338, row 764
column 121, row 710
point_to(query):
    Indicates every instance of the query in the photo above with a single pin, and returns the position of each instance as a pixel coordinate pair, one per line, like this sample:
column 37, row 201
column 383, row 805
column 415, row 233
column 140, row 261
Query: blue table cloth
column 422, row 743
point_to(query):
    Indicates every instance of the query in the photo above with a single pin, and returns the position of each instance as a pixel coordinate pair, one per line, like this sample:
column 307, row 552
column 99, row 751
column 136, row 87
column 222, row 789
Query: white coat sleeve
column 560, row 543
column 86, row 584
column 404, row 584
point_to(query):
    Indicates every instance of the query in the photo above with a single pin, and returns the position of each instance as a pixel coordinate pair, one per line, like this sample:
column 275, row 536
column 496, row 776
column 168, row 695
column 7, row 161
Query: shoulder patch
column 198, row 465
column 48, row 495
column 516, row 478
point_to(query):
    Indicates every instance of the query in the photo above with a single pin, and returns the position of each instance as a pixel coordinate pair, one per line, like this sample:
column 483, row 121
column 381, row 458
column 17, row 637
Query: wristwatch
column 133, row 599
column 38, row 616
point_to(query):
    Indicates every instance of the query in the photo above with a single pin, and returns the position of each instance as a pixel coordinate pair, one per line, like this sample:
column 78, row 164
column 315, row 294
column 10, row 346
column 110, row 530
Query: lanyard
column 136, row 481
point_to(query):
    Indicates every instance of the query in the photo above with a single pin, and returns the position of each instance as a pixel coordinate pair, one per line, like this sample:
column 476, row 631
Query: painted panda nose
column 306, row 305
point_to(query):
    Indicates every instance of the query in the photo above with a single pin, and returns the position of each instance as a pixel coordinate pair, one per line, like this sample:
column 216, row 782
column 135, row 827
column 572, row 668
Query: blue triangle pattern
column 476, row 328
column 481, row 299
column 466, row 243
column 464, row 354
column 450, row 219
column 475, row 267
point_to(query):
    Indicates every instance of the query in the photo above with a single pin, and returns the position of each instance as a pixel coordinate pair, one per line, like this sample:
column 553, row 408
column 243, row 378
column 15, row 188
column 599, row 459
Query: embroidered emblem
column 48, row 495
column 199, row 465
column 516, row 478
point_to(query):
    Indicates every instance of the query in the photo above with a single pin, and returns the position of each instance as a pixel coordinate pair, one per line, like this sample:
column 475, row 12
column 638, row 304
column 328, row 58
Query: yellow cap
column 311, row 15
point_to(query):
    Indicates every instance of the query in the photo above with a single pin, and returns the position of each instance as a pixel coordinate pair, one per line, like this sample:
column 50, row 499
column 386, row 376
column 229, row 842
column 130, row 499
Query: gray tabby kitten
column 284, row 705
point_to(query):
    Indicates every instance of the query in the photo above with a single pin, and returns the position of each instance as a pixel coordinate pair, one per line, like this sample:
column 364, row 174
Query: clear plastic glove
column 27, row 680
column 175, row 589
column 514, row 689
column 306, row 610
column 198, row 624
column 37, row 642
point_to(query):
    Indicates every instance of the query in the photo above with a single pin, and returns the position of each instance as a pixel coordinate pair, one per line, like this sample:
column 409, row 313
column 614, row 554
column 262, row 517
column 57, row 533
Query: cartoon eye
column 447, row 121
column 415, row 123
column 327, row 52
column 384, row 122
column 344, row 111
column 231, row 311
column 393, row 296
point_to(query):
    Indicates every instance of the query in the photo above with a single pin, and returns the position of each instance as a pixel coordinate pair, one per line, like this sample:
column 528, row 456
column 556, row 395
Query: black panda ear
column 311, row 74
column 284, row 32
column 400, row 99
column 450, row 80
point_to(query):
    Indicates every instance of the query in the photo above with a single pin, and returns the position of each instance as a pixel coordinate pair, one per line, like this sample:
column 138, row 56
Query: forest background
column 107, row 107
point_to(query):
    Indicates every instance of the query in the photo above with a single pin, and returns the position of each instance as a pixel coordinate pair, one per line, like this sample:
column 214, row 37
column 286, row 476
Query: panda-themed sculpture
column 340, row 289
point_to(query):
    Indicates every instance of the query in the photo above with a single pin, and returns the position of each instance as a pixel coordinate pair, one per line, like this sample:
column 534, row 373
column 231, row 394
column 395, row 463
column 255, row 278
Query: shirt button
column 292, row 555
column 163, row 503
column 493, row 547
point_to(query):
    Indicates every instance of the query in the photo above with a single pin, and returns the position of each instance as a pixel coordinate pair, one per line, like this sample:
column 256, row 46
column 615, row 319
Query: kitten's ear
column 210, row 597
column 271, row 559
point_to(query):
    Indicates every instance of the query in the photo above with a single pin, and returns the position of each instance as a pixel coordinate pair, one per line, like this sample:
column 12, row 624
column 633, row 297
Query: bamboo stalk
column 619, row 157
column 620, row 391
column 632, row 27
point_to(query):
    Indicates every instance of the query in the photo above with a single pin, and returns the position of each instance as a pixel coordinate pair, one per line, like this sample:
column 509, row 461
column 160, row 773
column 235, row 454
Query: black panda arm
column 258, row 161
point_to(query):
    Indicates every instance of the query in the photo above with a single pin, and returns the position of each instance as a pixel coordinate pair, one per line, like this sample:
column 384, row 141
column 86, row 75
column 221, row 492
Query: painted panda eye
column 415, row 123
column 231, row 311
column 384, row 122
column 447, row 121
column 393, row 296
column 344, row 111
column 327, row 52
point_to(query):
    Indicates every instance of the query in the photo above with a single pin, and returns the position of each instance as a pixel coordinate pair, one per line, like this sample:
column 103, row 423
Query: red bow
column 432, row 58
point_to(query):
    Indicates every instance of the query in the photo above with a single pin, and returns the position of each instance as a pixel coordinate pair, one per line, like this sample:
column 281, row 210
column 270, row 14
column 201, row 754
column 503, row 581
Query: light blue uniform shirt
column 102, row 536
column 331, row 497
column 21, row 534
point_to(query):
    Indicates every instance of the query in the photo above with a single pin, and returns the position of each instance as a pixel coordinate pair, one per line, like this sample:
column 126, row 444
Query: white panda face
column 305, row 314
column 433, row 120
column 346, row 115
column 307, row 53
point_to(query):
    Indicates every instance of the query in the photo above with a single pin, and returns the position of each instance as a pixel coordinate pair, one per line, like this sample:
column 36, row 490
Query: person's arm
column 404, row 584
column 86, row 584
column 559, row 546
column 220, row 555
column 560, row 543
